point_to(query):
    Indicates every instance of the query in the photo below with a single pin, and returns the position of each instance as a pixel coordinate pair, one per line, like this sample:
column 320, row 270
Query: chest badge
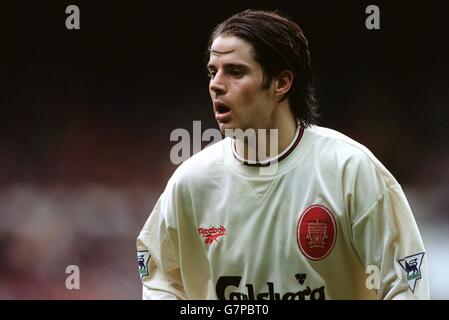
column 316, row 232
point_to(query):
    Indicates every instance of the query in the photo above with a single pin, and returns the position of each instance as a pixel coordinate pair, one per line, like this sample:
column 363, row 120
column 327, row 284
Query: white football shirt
column 327, row 221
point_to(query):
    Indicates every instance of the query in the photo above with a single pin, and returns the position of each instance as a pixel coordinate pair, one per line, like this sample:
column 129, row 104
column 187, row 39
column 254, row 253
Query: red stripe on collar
column 285, row 155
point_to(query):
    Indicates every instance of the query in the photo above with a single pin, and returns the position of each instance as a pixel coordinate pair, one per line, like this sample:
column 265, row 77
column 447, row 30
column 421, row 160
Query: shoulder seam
column 356, row 144
column 367, row 212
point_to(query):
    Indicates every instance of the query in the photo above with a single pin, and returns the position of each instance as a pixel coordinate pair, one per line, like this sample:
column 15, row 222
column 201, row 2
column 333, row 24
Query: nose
column 216, row 85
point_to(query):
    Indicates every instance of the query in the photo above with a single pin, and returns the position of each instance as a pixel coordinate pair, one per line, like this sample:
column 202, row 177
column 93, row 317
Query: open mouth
column 222, row 112
column 221, row 108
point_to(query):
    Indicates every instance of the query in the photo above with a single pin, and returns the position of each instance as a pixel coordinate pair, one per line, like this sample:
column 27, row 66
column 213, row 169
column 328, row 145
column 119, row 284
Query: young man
column 330, row 222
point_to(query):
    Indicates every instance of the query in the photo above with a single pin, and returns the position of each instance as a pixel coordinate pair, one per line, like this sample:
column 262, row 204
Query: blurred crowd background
column 86, row 117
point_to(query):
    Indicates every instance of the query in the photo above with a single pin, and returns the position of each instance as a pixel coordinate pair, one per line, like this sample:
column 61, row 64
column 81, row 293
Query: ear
column 283, row 83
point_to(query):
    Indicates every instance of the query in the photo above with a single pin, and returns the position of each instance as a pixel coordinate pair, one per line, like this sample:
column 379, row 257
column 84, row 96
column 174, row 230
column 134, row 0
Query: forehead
column 231, row 49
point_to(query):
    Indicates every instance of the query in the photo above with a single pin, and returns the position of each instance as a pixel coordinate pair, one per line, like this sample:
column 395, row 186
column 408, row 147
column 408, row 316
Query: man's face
column 236, row 86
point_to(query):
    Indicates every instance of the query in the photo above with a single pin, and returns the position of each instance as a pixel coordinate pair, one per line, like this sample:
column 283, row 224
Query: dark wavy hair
column 278, row 45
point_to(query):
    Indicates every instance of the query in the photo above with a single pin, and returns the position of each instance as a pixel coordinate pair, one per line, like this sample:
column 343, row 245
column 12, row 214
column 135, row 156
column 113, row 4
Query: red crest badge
column 316, row 232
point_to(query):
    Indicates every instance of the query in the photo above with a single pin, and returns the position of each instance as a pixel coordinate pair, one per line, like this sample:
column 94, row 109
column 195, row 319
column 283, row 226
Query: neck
column 269, row 141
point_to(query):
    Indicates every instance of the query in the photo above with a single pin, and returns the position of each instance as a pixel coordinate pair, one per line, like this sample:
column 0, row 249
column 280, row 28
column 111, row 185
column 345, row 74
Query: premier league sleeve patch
column 412, row 266
column 142, row 262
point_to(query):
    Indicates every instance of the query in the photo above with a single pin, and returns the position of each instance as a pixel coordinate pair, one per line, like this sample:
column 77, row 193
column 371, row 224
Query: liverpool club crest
column 316, row 232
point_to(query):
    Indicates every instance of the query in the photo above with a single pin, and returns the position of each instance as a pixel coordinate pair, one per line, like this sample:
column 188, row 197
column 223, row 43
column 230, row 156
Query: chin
column 223, row 126
column 227, row 126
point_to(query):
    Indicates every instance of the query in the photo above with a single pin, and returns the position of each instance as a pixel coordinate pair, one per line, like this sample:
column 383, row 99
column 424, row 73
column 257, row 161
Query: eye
column 237, row 73
column 211, row 74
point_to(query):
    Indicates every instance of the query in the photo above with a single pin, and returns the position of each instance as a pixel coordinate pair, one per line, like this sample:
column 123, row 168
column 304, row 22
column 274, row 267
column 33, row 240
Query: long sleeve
column 158, row 257
column 386, row 236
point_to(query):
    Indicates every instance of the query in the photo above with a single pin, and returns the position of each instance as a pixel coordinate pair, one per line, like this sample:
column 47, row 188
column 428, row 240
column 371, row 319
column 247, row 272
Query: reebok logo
column 211, row 234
